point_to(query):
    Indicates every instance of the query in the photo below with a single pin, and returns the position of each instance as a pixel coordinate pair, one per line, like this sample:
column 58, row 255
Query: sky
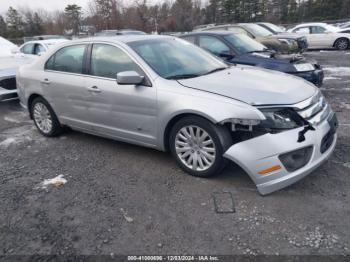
column 51, row 5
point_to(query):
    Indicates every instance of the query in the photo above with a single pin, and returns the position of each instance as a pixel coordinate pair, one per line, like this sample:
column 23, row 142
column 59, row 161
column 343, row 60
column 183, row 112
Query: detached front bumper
column 264, row 151
column 315, row 77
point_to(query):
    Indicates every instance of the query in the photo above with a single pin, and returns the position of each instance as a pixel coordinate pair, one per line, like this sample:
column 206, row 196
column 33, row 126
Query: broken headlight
column 280, row 119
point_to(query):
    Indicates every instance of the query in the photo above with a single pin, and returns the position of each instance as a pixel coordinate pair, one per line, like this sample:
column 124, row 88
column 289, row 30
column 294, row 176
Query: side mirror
column 129, row 78
column 226, row 55
column 15, row 50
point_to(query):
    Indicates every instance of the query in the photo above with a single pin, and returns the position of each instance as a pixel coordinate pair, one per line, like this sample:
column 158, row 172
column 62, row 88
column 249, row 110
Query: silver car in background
column 165, row 93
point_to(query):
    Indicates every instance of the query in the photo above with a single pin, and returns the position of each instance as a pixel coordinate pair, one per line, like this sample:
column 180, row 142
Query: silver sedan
column 165, row 93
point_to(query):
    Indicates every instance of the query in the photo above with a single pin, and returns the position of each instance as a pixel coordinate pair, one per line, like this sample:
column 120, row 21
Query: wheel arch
column 174, row 119
column 339, row 38
column 30, row 101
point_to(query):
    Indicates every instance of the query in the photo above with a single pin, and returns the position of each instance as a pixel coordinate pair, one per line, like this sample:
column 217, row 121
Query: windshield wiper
column 215, row 70
column 259, row 51
column 183, row 76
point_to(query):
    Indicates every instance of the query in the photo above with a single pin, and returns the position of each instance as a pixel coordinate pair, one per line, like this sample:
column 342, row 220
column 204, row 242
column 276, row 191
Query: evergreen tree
column 3, row 27
column 14, row 23
column 73, row 14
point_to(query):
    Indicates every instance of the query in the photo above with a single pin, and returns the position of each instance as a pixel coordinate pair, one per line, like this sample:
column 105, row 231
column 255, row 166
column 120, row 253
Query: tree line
column 168, row 16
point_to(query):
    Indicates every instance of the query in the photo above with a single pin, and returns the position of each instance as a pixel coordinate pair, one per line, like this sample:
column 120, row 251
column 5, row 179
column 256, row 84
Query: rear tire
column 342, row 44
column 198, row 146
column 45, row 118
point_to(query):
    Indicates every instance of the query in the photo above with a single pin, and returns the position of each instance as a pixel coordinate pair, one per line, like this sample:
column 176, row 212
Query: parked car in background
column 344, row 30
column 345, row 25
column 8, row 66
column 322, row 35
column 282, row 44
column 6, row 47
column 281, row 33
column 43, row 37
column 17, row 56
column 165, row 93
column 35, row 48
column 119, row 32
column 241, row 49
column 272, row 28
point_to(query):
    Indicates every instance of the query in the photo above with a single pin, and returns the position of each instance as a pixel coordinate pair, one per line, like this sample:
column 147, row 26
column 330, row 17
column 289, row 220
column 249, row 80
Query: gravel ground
column 116, row 198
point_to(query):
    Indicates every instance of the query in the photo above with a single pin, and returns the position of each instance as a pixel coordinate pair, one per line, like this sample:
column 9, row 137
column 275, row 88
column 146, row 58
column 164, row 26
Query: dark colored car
column 279, row 32
column 286, row 43
column 241, row 49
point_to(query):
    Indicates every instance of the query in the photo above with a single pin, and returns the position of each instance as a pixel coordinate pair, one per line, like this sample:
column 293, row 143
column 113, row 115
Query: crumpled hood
column 254, row 86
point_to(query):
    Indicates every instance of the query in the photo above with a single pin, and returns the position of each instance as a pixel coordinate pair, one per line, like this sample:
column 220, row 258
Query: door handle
column 46, row 81
column 94, row 89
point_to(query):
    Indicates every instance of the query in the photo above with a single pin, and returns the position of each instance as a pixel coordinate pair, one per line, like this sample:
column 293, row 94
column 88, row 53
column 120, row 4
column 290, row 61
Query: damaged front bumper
column 264, row 152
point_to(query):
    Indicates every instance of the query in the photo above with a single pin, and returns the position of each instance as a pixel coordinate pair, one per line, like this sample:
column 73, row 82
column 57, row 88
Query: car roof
column 211, row 32
column 122, row 38
column 312, row 24
column 47, row 41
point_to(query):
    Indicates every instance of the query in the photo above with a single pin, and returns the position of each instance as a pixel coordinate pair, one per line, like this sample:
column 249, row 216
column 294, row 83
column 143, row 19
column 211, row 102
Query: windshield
column 275, row 28
column 174, row 58
column 257, row 30
column 244, row 44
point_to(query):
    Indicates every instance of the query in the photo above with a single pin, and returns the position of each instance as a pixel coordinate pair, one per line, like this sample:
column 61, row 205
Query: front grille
column 302, row 43
column 314, row 110
column 327, row 141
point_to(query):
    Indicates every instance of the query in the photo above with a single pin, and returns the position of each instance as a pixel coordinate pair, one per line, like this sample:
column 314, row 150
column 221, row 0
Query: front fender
column 213, row 107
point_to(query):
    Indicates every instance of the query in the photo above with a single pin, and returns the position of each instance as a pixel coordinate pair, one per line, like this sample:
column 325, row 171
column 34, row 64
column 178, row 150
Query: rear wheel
column 45, row 118
column 342, row 44
column 198, row 146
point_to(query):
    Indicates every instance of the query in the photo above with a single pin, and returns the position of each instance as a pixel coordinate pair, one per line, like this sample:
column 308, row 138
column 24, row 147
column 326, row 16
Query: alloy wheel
column 42, row 118
column 195, row 148
column 342, row 44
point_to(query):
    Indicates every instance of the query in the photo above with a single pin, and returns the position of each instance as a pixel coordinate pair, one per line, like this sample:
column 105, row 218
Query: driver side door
column 124, row 112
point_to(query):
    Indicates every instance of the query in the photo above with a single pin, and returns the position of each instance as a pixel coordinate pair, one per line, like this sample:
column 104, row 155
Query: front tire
column 198, row 146
column 45, row 118
column 342, row 44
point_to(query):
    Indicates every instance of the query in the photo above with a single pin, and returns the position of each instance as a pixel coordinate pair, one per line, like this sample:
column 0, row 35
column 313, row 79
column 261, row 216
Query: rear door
column 64, row 84
column 320, row 37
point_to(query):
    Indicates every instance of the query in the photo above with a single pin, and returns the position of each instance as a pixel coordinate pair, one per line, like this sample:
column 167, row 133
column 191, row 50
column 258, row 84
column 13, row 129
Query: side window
column 108, row 61
column 38, row 48
column 318, row 30
column 27, row 49
column 68, row 59
column 191, row 39
column 302, row 30
column 213, row 44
